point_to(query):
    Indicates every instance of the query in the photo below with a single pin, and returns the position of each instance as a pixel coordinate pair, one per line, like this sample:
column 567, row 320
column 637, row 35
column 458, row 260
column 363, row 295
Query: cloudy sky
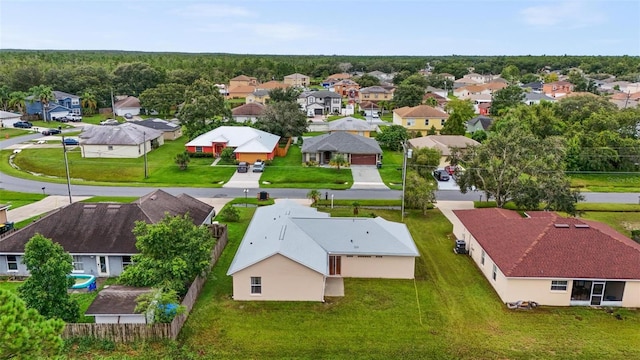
column 328, row 27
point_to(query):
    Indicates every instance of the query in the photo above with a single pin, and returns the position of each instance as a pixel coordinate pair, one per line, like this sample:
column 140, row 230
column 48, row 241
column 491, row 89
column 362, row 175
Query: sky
column 326, row 27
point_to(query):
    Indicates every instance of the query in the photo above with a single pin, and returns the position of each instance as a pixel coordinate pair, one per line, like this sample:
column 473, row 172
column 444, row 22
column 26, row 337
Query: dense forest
column 100, row 72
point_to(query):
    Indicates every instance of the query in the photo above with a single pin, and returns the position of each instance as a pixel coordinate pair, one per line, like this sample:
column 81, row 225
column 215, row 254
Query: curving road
column 31, row 186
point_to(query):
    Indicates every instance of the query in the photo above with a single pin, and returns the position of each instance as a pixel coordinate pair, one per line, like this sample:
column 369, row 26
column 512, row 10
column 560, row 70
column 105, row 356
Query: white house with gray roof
column 126, row 140
column 536, row 98
column 320, row 102
column 358, row 150
column 295, row 253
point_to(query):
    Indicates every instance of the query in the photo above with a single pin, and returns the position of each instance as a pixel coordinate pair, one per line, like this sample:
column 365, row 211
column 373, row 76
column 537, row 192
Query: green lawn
column 288, row 172
column 623, row 222
column 7, row 133
column 130, row 172
column 50, row 125
column 391, row 171
column 609, row 182
column 17, row 199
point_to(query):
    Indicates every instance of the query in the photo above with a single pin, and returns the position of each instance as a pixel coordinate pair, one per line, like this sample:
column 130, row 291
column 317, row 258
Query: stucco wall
column 4, row 270
column 387, row 267
column 631, row 296
column 282, row 279
column 252, row 157
column 117, row 151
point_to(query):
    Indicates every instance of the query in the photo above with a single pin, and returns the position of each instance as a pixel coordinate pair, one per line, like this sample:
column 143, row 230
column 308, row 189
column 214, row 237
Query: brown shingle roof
column 250, row 109
column 116, row 300
column 444, row 143
column 535, row 247
column 243, row 89
column 128, row 102
column 424, row 111
column 339, row 76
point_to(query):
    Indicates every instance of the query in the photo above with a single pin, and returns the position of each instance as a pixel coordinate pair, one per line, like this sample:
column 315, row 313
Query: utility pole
column 144, row 142
column 66, row 167
column 406, row 153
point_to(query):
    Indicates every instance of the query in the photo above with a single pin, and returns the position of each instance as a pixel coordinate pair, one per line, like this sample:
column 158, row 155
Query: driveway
column 366, row 177
column 449, row 184
column 248, row 180
column 43, row 206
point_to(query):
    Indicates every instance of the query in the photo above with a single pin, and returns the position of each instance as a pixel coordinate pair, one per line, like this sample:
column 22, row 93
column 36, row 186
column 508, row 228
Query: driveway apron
column 248, row 180
column 366, row 177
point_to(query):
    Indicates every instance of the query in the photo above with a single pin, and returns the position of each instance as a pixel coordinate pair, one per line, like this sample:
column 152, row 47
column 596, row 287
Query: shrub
column 230, row 214
column 227, row 154
column 200, row 155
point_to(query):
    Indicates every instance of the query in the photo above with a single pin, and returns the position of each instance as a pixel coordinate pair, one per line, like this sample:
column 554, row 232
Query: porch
column 597, row 293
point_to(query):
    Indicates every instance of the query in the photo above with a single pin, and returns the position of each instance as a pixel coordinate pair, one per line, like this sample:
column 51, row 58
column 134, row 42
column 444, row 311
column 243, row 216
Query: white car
column 110, row 122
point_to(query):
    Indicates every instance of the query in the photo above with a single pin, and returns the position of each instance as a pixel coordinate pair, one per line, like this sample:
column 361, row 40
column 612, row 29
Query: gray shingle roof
column 116, row 300
column 158, row 124
column 342, row 142
column 123, row 134
column 61, row 95
column 350, row 124
column 307, row 237
column 320, row 94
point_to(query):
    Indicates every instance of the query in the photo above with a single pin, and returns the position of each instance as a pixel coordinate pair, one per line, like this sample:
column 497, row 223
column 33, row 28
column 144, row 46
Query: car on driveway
column 110, row 122
column 258, row 166
column 74, row 118
column 243, row 167
column 22, row 124
column 441, row 175
column 51, row 132
column 71, row 141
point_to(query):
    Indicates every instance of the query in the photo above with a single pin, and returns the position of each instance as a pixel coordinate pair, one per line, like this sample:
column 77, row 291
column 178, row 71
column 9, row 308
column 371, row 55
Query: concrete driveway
column 248, row 180
column 366, row 177
column 449, row 184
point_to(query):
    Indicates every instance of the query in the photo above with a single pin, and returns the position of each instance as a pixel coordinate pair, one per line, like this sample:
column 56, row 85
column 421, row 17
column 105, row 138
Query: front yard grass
column 17, row 199
column 609, row 182
column 449, row 312
column 391, row 171
column 288, row 172
column 7, row 133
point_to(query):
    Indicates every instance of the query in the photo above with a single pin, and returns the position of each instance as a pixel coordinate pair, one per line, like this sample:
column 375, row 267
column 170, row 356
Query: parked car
column 74, row 118
column 128, row 116
column 51, row 132
column 441, row 175
column 110, row 122
column 243, row 167
column 71, row 141
column 258, row 166
column 22, row 124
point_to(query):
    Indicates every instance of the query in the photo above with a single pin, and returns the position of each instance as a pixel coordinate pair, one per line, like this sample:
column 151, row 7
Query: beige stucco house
column 443, row 143
column 292, row 252
column 552, row 260
column 298, row 80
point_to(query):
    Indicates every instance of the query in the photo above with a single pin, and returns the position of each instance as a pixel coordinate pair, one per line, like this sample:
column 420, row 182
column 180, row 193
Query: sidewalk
column 43, row 206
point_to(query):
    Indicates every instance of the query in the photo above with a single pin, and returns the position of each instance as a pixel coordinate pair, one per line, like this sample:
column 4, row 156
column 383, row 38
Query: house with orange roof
column 420, row 118
column 550, row 259
column 270, row 85
column 243, row 80
column 242, row 91
column 557, row 88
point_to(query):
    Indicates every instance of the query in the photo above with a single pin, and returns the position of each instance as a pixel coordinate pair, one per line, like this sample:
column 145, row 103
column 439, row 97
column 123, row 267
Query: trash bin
column 378, row 164
column 263, row 195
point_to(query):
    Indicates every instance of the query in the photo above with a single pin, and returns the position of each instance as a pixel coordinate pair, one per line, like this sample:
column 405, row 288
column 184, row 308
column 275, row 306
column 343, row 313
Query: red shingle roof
column 536, row 247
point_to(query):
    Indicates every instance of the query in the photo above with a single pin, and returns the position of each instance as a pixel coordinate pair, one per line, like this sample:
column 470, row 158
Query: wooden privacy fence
column 132, row 332
column 282, row 151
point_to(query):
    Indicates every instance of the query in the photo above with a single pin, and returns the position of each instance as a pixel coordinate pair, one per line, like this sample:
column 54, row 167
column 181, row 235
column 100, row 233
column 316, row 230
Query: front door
column 103, row 265
column 334, row 265
column 597, row 292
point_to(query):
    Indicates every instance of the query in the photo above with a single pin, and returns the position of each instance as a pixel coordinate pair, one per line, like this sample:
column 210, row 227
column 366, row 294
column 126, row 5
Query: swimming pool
column 82, row 280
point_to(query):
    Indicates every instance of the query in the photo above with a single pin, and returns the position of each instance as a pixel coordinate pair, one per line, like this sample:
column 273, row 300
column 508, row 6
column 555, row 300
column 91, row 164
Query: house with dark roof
column 550, row 259
column 358, row 150
column 61, row 105
column 99, row 236
column 127, row 105
column 352, row 126
column 247, row 112
column 478, row 123
column 320, row 102
column 170, row 131
column 128, row 140
column 292, row 252
column 536, row 98
column 116, row 304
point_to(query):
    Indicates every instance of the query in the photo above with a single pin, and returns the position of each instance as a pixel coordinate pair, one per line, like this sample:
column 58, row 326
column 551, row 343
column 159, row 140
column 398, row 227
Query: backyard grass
column 288, row 172
column 391, row 171
column 7, row 133
column 609, row 182
column 623, row 222
column 127, row 172
column 18, row 199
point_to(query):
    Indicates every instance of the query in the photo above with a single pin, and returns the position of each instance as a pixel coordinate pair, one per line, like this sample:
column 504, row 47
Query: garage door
column 362, row 159
column 317, row 111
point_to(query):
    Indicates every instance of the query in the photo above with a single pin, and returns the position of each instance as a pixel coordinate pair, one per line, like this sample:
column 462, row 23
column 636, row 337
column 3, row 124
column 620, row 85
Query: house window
column 109, row 147
column 559, row 285
column 78, row 265
column 75, row 101
column 410, row 122
column 482, row 258
column 198, row 149
column 495, row 272
column 126, row 261
column 312, row 157
column 12, row 263
column 256, row 285
column 442, row 122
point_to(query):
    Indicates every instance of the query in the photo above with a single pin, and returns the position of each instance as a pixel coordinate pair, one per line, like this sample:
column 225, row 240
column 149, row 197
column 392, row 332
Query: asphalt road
column 16, row 184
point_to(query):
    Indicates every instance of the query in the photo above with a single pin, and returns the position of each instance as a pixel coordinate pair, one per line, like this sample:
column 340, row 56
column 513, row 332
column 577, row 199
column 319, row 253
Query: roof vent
column 561, row 225
column 153, row 197
column 283, row 230
column 581, row 226
column 90, row 206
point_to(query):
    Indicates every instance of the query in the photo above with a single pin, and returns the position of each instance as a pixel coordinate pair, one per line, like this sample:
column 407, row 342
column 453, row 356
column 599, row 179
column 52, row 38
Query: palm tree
column 44, row 94
column 338, row 160
column 314, row 196
column 89, row 102
column 4, row 97
column 17, row 101
column 182, row 159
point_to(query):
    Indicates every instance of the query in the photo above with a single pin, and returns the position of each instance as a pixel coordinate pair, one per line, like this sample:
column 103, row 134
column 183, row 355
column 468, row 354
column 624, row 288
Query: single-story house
column 358, row 150
column 249, row 144
column 443, row 143
column 369, row 107
column 478, row 123
column 7, row 119
column 550, row 259
column 116, row 304
column 536, row 98
column 292, row 252
column 170, row 131
column 99, row 236
column 420, row 118
column 126, row 140
column 127, row 105
column 352, row 125
column 247, row 112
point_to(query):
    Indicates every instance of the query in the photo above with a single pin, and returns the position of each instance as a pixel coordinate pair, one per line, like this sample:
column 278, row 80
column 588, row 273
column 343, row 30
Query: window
column 75, row 101
column 12, row 263
column 126, row 261
column 78, row 265
column 442, row 122
column 312, row 157
column 256, row 285
column 558, row 285
column 482, row 258
column 198, row 149
column 495, row 272
column 410, row 122
column 109, row 147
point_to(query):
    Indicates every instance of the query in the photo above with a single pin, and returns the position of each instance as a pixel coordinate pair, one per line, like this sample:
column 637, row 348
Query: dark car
column 441, row 175
column 243, row 167
column 258, row 166
column 71, row 141
column 51, row 132
column 22, row 124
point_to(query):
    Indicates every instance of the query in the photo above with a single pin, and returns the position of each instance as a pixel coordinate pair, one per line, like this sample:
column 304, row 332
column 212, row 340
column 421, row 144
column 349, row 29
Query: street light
column 246, row 193
column 406, row 154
